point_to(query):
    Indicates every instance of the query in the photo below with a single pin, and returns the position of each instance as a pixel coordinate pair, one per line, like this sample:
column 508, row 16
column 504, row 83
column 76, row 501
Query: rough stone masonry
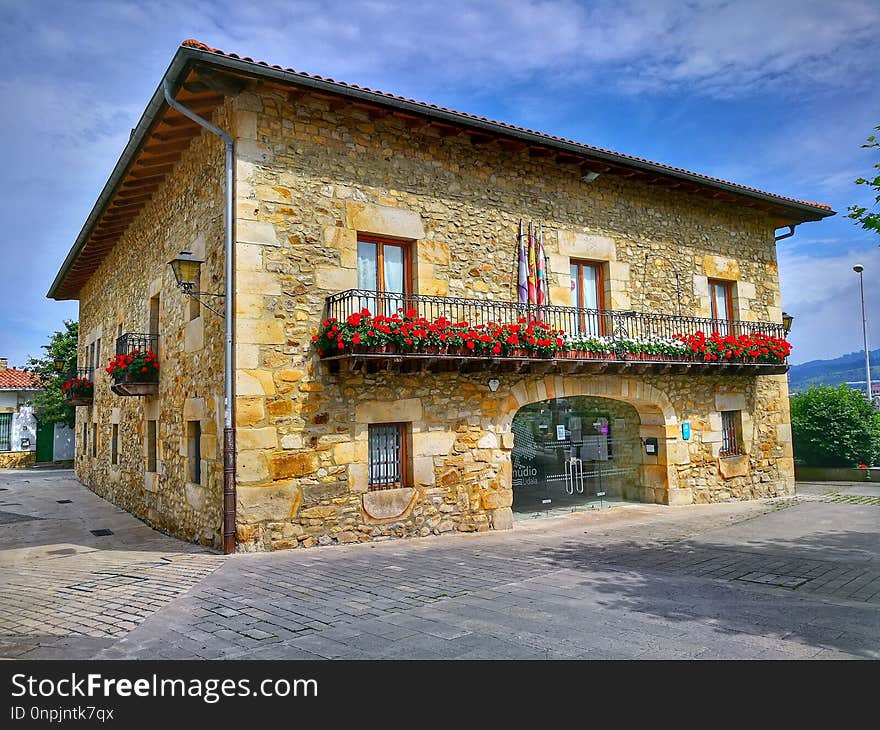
column 311, row 175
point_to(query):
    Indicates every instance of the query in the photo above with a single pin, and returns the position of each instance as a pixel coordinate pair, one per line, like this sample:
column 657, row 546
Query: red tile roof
column 198, row 45
column 15, row 379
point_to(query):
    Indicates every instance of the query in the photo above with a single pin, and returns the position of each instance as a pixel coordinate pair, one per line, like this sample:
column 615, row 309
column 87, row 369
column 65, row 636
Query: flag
column 522, row 283
column 533, row 274
column 540, row 269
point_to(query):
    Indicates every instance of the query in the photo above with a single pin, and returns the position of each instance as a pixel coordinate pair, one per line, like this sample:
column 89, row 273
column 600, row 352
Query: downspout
column 228, row 381
column 786, row 235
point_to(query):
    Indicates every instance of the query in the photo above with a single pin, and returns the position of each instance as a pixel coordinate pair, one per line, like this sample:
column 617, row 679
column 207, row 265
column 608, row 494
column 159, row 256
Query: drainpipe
column 228, row 387
column 786, row 235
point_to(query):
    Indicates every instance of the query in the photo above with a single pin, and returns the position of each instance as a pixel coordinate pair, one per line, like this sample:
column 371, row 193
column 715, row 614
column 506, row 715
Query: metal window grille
column 729, row 436
column 5, row 431
column 387, row 455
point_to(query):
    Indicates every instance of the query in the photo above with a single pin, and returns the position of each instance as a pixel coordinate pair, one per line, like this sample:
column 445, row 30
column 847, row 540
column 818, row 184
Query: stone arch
column 659, row 474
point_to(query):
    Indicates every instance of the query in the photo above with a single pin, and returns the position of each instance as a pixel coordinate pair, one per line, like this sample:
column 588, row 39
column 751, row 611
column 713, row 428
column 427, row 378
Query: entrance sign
column 560, row 432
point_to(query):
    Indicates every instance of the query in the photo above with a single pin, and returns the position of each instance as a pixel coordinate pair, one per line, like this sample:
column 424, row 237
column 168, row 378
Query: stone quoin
column 321, row 166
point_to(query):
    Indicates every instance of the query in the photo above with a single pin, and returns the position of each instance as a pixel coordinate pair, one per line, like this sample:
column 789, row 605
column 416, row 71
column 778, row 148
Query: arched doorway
column 575, row 452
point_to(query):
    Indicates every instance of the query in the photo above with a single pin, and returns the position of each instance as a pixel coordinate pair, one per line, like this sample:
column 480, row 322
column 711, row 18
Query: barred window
column 387, row 455
column 729, row 433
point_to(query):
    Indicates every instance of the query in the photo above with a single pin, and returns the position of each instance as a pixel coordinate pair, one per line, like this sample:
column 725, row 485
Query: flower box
column 135, row 373
column 78, row 391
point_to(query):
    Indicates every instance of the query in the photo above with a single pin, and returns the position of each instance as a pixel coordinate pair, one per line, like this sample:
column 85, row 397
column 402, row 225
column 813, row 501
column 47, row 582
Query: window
column 85, row 440
column 5, row 431
column 387, row 456
column 383, row 266
column 151, row 445
column 154, row 315
column 114, row 445
column 94, row 440
column 721, row 300
column 729, row 433
column 97, row 356
column 194, row 451
column 586, row 293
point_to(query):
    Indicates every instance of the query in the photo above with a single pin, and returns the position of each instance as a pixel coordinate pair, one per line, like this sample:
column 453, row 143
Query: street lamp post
column 858, row 268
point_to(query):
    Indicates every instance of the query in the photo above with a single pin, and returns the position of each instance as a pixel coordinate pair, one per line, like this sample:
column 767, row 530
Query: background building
column 23, row 440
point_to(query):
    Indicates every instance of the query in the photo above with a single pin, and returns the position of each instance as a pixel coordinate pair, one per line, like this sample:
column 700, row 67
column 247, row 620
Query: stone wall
column 17, row 459
column 185, row 213
column 311, row 176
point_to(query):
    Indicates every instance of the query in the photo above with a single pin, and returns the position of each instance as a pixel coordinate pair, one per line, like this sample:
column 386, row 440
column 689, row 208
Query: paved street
column 793, row 578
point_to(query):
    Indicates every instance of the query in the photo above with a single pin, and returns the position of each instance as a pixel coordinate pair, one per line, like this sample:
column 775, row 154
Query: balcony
column 476, row 336
column 79, row 387
column 135, row 369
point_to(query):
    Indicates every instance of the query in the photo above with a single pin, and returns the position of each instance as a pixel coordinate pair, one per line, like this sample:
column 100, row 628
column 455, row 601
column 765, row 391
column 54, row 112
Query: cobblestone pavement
column 66, row 592
column 796, row 578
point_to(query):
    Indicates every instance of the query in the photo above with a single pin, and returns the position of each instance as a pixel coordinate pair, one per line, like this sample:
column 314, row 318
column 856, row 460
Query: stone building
column 348, row 199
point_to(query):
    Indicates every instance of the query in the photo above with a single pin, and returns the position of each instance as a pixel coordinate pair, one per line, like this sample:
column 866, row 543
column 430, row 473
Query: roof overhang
column 162, row 134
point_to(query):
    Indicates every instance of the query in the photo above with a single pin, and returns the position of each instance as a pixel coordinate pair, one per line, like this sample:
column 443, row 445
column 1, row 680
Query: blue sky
column 778, row 95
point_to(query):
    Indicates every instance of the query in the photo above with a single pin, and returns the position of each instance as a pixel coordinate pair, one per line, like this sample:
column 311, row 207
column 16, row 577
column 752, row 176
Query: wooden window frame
column 152, row 454
column 730, row 434
column 713, row 307
column 114, row 444
column 380, row 242
column 600, row 290
column 403, row 465
column 194, row 452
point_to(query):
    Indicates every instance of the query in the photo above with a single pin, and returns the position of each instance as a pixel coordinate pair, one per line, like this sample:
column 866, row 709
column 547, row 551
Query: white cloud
column 823, row 295
column 77, row 76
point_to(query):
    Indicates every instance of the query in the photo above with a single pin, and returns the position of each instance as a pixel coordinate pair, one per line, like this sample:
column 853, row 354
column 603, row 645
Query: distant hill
column 833, row 372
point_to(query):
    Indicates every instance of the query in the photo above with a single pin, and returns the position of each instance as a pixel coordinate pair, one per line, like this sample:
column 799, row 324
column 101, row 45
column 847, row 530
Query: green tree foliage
column 50, row 404
column 835, row 426
column 869, row 220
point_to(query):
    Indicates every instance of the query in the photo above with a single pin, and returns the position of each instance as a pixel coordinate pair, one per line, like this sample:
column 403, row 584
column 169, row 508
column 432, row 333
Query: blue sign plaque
column 686, row 430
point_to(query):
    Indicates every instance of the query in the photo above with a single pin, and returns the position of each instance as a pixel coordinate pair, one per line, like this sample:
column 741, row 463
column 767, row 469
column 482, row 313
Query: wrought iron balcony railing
column 136, row 342
column 620, row 333
column 144, row 378
column 79, row 386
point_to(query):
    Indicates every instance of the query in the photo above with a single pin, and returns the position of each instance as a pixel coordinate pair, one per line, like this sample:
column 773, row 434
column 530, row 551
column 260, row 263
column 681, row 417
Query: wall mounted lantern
column 59, row 364
column 493, row 384
column 787, row 319
column 187, row 269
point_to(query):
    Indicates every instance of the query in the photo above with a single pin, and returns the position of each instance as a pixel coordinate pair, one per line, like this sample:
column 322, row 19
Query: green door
column 45, row 441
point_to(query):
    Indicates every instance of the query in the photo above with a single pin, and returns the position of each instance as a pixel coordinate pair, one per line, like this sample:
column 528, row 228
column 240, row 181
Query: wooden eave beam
column 415, row 122
column 226, row 84
column 513, row 146
column 161, row 148
column 153, row 171
column 159, row 160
